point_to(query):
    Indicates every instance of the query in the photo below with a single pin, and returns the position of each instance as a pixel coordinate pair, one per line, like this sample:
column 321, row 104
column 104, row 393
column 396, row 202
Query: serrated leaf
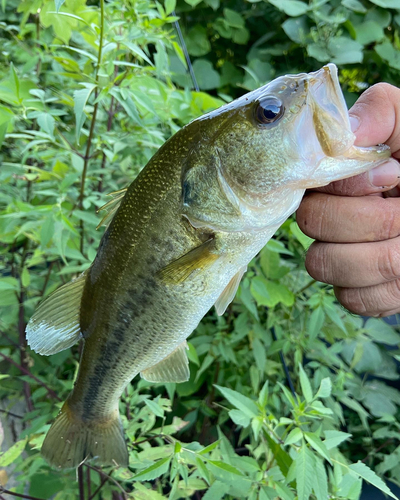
column 305, row 385
column 282, row 458
column 221, row 468
column 305, row 464
column 369, row 475
column 318, row 445
column 217, row 491
column 334, row 438
column 243, row 403
column 9, row 456
column 154, row 471
column 320, row 483
column 80, row 99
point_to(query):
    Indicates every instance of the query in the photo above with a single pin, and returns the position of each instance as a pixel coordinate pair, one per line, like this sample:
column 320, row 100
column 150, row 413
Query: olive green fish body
column 179, row 243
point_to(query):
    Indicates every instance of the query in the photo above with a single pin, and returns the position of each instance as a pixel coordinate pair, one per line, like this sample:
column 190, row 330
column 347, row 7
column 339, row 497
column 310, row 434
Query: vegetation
column 88, row 92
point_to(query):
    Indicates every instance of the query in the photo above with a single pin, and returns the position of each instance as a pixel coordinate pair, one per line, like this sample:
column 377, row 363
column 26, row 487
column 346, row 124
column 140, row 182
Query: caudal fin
column 71, row 441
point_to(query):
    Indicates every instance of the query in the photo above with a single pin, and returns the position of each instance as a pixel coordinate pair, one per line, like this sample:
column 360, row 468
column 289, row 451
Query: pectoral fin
column 199, row 258
column 229, row 292
column 174, row 368
column 55, row 323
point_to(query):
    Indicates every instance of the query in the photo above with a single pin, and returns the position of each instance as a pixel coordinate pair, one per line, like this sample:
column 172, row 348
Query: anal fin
column 229, row 292
column 173, row 368
column 200, row 258
column 55, row 324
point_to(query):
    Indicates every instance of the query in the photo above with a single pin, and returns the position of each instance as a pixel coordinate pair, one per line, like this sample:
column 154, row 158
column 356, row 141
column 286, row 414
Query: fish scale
column 180, row 241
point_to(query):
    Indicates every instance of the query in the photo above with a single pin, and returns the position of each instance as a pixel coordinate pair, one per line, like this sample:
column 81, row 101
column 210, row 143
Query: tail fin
column 70, row 441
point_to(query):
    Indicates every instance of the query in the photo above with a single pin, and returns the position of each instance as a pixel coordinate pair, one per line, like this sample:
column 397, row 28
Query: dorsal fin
column 111, row 207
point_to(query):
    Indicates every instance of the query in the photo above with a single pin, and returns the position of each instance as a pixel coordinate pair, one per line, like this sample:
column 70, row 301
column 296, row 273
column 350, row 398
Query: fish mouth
column 329, row 111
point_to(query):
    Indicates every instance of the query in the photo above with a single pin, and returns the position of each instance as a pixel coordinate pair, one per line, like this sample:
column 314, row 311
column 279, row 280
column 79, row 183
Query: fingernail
column 386, row 174
column 354, row 122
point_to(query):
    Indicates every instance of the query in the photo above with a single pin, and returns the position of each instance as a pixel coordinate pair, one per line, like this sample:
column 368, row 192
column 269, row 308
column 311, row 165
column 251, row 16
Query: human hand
column 356, row 221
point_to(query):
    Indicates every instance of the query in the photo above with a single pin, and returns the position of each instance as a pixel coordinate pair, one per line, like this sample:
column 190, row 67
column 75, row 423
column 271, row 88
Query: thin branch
column 47, row 278
column 80, row 483
column 110, row 479
column 10, row 413
column 27, row 372
column 88, row 483
column 92, row 125
column 103, row 482
column 3, row 490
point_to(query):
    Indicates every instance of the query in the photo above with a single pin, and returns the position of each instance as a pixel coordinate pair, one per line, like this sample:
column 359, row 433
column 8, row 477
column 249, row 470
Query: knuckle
column 389, row 224
column 353, row 299
column 389, row 262
column 317, row 262
column 381, row 92
column 310, row 215
column 393, row 295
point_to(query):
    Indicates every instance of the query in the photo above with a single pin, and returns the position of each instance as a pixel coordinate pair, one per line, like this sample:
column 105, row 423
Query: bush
column 85, row 101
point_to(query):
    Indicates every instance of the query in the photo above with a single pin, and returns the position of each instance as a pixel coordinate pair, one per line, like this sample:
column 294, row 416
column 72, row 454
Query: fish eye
column 269, row 110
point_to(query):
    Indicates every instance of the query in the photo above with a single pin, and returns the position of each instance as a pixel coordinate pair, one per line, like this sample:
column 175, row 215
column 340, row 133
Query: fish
column 179, row 241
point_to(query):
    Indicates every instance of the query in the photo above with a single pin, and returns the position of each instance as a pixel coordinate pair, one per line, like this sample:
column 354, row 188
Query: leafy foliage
column 87, row 95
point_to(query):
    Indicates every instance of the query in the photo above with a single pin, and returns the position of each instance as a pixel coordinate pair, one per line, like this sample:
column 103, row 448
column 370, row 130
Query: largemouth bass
column 180, row 241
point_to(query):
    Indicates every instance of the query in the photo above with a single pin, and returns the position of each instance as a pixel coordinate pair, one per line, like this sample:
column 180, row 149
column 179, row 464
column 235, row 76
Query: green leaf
column 334, row 438
column 217, row 491
column 15, row 81
column 206, row 76
column 355, row 5
column 9, row 456
column 294, row 436
column 80, row 99
column 169, row 6
column 58, row 4
column 239, row 418
column 387, row 4
column 224, row 470
column 315, row 323
column 382, row 332
column 154, row 471
column 320, row 482
column 259, row 354
column 137, row 51
column 9, row 284
column 368, row 475
column 243, row 403
column 292, row 8
column 305, row 385
column 304, row 240
column 282, row 458
column 318, row 445
column 325, row 388
column 154, row 407
column 305, row 465
column 234, row 19
column 46, row 123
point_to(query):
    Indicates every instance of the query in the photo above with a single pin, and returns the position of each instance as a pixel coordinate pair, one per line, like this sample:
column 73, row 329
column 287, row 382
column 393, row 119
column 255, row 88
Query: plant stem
column 3, row 490
column 110, row 479
column 103, row 482
column 10, row 413
column 27, row 372
column 88, row 482
column 80, row 483
column 92, row 125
